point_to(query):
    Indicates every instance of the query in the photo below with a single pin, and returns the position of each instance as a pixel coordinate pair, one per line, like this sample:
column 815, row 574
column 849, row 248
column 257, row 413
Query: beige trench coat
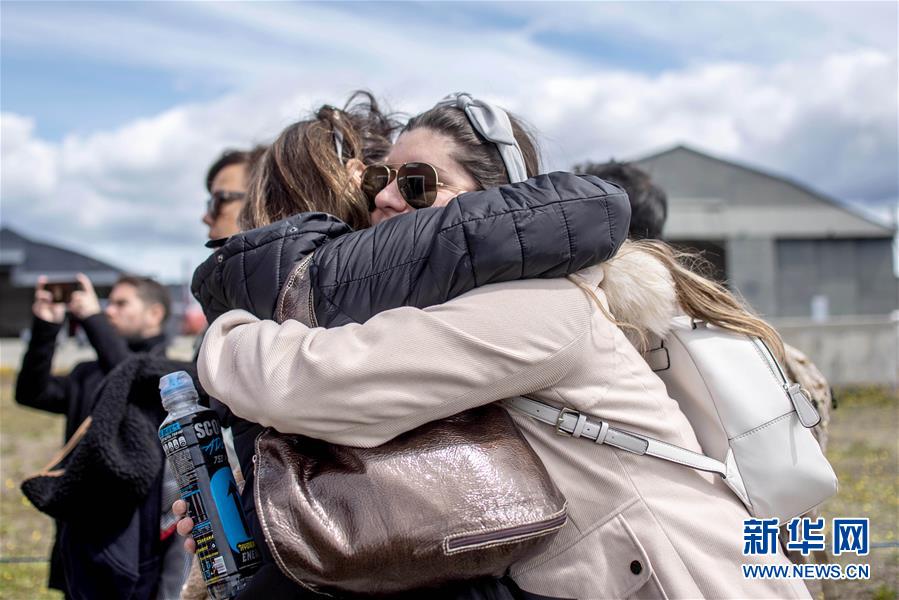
column 639, row 526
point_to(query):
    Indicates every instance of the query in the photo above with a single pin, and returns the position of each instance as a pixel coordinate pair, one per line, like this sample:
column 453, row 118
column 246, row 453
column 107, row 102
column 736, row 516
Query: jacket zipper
column 510, row 534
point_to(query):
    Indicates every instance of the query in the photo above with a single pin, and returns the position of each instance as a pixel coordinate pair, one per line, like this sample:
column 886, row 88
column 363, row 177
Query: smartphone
column 62, row 290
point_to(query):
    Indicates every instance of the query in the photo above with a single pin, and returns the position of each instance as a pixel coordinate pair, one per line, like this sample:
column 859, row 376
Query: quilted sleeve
column 547, row 226
column 250, row 269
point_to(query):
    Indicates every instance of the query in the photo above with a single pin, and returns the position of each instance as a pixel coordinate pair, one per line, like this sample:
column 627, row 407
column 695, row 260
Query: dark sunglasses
column 417, row 182
column 215, row 202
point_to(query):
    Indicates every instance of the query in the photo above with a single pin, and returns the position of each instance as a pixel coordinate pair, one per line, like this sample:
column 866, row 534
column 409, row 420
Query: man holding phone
column 132, row 322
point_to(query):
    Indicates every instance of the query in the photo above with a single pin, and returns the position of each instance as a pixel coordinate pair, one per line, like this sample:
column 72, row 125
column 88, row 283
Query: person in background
column 131, row 323
column 226, row 182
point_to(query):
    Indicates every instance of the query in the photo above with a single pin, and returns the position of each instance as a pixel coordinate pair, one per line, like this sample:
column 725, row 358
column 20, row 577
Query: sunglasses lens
column 374, row 179
column 417, row 183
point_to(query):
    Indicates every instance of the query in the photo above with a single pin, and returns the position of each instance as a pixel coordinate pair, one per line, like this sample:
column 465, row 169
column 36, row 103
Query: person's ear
column 354, row 168
column 157, row 313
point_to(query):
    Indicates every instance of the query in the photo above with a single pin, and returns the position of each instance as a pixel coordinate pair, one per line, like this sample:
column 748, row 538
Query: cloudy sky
column 112, row 111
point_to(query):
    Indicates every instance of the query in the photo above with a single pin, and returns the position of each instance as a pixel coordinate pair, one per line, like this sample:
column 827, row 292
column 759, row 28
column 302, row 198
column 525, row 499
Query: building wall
column 15, row 307
column 849, row 350
column 855, row 276
column 751, row 272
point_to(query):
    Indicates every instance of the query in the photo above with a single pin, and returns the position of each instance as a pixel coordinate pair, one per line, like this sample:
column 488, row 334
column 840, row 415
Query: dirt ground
column 863, row 449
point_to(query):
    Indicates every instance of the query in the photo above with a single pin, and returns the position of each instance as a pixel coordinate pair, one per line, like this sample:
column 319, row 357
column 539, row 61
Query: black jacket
column 72, row 395
column 119, row 463
column 547, row 226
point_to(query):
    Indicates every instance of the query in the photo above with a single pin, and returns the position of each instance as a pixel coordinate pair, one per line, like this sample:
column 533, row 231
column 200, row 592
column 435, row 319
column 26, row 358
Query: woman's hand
column 185, row 525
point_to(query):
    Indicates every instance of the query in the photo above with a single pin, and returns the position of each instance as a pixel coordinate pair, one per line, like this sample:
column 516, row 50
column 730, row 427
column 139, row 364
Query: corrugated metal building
column 788, row 250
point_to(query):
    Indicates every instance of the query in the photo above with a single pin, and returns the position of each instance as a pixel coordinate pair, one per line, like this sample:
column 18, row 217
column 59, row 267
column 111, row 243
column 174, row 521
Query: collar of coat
column 155, row 344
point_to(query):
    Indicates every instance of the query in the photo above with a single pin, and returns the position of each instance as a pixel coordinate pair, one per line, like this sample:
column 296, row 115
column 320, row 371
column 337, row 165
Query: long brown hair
column 699, row 297
column 707, row 300
column 478, row 156
column 301, row 171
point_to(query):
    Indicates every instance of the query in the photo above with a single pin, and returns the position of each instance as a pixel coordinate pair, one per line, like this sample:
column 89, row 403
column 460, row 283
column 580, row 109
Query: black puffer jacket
column 547, row 226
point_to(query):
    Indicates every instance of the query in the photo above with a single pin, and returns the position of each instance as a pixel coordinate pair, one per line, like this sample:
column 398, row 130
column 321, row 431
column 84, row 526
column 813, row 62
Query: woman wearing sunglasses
column 638, row 526
column 412, row 260
column 438, row 156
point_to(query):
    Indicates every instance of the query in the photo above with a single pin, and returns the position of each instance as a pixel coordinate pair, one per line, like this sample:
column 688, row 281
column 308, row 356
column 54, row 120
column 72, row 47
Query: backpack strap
column 572, row 423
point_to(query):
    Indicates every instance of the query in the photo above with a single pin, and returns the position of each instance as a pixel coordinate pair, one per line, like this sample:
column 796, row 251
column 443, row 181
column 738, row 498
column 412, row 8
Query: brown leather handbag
column 455, row 499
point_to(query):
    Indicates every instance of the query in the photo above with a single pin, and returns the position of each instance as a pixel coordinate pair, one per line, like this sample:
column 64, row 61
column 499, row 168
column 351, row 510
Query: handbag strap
column 572, row 423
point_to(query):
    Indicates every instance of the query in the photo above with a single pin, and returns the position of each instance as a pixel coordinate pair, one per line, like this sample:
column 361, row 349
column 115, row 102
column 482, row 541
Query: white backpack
column 753, row 424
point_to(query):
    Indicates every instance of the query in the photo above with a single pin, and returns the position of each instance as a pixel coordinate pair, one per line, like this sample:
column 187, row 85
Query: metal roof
column 27, row 259
column 708, row 194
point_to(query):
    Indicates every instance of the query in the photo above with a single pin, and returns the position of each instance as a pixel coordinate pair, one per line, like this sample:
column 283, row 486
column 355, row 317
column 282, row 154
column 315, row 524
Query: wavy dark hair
column 301, row 171
column 229, row 157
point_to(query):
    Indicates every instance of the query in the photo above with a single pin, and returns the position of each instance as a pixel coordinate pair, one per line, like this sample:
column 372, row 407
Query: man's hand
column 44, row 308
column 185, row 525
column 84, row 302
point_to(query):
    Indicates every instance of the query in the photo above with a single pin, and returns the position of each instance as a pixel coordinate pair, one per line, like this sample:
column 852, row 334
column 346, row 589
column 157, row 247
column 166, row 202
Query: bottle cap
column 175, row 383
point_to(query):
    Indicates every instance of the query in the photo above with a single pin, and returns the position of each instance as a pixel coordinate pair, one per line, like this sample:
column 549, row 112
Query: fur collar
column 640, row 292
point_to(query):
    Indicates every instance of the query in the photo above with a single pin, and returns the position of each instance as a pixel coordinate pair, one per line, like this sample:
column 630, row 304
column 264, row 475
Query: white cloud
column 133, row 193
column 29, row 165
column 753, row 32
column 831, row 124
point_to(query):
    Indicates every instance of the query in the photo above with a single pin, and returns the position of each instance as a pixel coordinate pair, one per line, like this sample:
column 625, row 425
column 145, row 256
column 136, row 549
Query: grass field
column 863, row 449
column 28, row 439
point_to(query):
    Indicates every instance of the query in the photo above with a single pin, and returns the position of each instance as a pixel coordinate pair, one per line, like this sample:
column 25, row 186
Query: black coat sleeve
column 111, row 348
column 547, row 226
column 35, row 386
column 250, row 269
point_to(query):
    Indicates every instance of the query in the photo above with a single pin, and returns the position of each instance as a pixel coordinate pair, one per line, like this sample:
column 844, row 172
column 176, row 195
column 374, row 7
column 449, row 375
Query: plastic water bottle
column 191, row 437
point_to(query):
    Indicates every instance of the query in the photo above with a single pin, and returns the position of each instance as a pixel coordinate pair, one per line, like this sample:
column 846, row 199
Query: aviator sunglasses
column 417, row 183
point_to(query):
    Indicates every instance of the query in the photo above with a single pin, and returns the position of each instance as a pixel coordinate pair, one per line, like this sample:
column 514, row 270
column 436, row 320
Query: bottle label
column 196, row 451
